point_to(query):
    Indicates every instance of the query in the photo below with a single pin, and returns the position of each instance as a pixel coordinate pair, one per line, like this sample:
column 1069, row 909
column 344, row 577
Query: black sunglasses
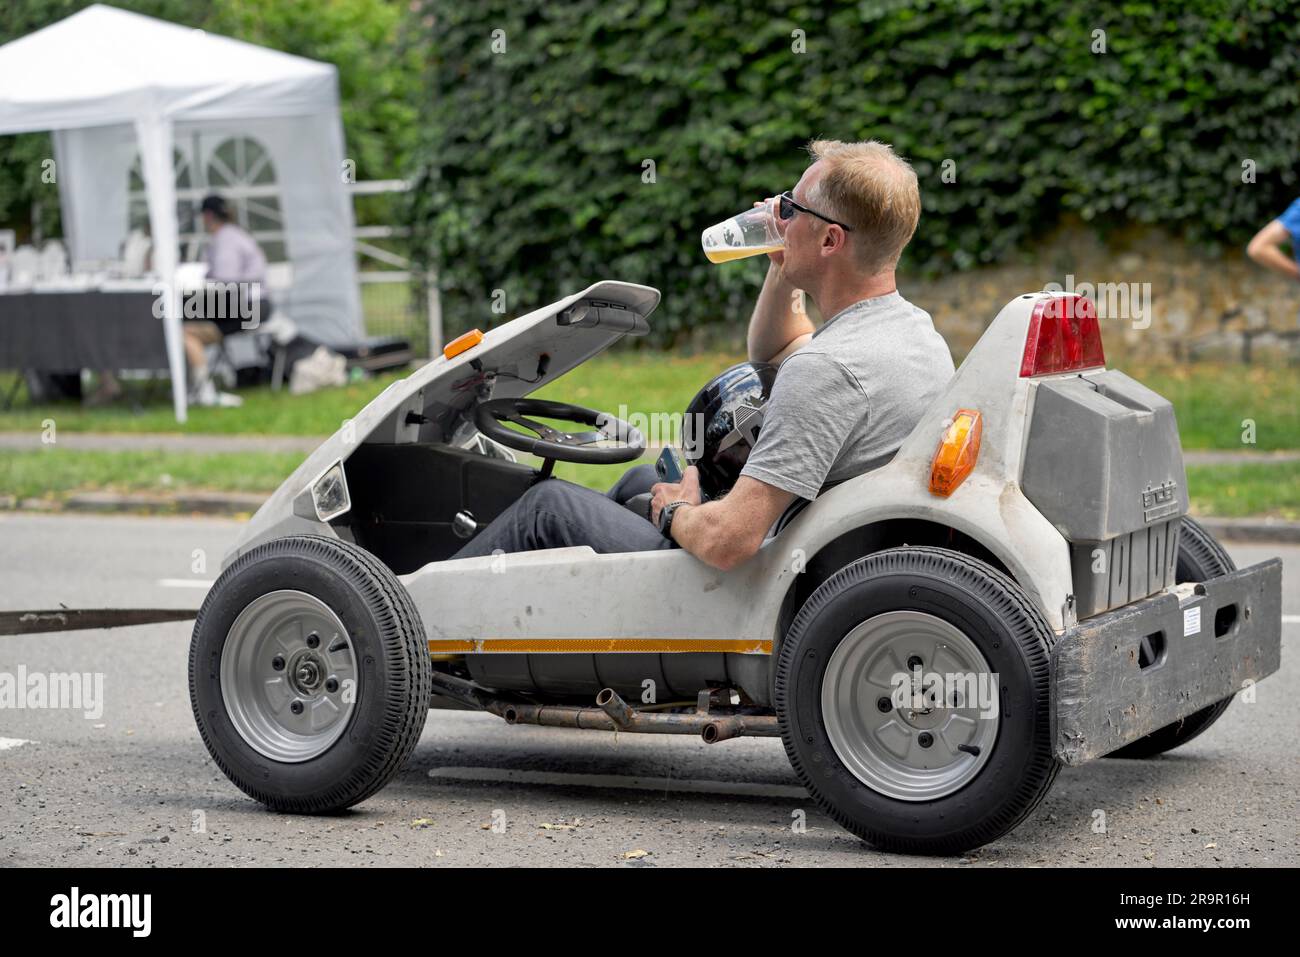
column 789, row 207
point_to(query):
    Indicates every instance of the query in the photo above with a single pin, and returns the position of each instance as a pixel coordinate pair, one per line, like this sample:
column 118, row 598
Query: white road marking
column 564, row 779
column 7, row 743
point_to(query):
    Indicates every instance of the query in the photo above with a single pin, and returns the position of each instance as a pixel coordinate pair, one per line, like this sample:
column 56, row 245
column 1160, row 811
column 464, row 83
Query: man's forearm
column 704, row 532
column 775, row 323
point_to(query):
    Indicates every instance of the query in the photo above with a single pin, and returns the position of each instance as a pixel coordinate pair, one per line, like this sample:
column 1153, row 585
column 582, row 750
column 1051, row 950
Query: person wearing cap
column 234, row 258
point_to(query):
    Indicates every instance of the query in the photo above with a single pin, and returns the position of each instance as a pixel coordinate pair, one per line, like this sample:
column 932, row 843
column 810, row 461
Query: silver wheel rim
column 288, row 676
column 885, row 749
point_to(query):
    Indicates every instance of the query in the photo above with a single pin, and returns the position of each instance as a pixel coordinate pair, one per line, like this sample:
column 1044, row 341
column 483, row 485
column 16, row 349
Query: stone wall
column 1158, row 298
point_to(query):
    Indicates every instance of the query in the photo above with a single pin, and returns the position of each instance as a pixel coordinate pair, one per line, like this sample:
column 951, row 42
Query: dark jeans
column 555, row 514
column 637, row 479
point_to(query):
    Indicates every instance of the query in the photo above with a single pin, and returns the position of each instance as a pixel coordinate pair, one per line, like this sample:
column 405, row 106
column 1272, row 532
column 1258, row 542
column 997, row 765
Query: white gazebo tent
column 120, row 89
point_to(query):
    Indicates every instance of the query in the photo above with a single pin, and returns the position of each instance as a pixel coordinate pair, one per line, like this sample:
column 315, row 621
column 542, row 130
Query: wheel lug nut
column 913, row 662
column 278, row 662
column 313, row 640
column 884, row 705
column 296, row 707
column 331, row 685
column 925, row 739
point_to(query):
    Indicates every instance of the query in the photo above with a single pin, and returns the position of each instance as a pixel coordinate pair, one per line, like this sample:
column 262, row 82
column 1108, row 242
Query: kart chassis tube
column 611, row 714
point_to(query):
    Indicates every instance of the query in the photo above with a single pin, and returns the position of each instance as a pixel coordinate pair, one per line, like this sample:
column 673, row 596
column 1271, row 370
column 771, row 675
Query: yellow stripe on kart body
column 743, row 646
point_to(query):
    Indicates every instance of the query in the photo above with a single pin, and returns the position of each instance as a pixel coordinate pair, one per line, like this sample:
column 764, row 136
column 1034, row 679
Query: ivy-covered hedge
column 539, row 119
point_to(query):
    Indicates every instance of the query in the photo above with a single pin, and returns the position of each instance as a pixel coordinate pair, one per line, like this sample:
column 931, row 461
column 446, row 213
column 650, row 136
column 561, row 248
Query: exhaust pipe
column 741, row 725
column 613, row 705
column 612, row 713
column 553, row 716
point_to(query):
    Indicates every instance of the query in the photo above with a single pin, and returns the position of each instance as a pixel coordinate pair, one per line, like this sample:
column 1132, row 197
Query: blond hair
column 874, row 190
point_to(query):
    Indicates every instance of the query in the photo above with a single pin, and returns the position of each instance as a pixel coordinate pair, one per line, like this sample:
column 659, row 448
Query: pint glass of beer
column 751, row 233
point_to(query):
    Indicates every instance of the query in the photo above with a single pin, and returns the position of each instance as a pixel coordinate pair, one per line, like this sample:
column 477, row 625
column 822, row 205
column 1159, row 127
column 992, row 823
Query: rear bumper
column 1118, row 676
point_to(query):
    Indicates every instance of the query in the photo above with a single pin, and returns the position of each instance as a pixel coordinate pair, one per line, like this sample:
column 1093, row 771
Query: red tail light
column 1063, row 337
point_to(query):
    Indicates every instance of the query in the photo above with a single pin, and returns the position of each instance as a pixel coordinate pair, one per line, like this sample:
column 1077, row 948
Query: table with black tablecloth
column 64, row 331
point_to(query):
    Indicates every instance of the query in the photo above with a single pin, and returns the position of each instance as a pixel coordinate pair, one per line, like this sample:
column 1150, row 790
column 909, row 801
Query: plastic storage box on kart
column 1094, row 439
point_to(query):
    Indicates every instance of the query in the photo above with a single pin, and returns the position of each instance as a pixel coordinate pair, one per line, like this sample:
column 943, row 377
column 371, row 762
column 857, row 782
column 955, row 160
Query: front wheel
column 913, row 695
column 309, row 674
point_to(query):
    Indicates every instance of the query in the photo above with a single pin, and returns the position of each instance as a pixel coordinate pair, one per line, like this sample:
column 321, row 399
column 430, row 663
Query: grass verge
column 1215, row 403
column 1238, row 491
column 1228, row 491
column 53, row 473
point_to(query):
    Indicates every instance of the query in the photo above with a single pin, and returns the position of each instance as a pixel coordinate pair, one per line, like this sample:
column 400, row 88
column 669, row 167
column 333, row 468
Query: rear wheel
column 1200, row 558
column 309, row 674
column 908, row 763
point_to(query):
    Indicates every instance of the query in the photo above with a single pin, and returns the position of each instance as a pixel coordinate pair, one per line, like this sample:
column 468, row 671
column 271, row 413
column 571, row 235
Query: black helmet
column 722, row 424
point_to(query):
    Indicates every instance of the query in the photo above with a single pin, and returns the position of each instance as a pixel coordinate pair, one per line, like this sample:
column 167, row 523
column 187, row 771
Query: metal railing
column 395, row 300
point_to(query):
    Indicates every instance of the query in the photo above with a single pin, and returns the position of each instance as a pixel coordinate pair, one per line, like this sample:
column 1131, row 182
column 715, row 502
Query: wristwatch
column 666, row 518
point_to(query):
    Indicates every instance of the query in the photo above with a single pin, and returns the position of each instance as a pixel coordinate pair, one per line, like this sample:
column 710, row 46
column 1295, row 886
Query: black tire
column 999, row 618
column 1200, row 558
column 393, row 685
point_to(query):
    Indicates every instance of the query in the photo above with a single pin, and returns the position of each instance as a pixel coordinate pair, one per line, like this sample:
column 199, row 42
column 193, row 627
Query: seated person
column 845, row 394
column 234, row 259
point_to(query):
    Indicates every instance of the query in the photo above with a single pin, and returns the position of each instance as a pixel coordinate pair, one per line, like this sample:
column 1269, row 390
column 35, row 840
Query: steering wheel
column 552, row 444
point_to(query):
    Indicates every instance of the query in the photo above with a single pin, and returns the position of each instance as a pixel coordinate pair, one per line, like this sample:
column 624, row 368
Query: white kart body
column 1140, row 630
column 669, row 601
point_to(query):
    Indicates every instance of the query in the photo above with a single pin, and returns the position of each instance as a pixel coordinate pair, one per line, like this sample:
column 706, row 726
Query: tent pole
column 155, row 135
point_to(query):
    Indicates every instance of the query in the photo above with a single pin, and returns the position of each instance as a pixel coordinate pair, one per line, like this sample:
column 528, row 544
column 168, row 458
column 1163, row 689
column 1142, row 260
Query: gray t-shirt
column 844, row 402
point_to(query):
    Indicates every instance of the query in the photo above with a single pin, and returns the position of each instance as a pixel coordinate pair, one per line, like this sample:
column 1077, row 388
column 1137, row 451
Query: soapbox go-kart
column 1020, row 588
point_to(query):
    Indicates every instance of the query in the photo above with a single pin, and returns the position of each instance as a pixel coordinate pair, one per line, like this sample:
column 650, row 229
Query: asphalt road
column 134, row 785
